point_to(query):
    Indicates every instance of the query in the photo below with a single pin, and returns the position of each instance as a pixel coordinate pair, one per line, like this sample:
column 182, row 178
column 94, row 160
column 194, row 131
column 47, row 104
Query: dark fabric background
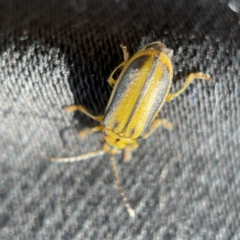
column 182, row 184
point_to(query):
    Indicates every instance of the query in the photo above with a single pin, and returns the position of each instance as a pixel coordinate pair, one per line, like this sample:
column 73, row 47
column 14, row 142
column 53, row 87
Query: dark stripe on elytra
column 123, row 85
column 143, row 91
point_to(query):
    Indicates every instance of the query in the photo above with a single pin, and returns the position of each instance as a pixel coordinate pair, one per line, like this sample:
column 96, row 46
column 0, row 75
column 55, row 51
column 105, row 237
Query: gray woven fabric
column 182, row 184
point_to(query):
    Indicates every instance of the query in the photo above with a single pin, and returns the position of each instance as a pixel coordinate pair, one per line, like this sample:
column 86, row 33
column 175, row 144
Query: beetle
column 138, row 95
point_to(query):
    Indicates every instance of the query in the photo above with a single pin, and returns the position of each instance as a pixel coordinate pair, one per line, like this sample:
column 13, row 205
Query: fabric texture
column 182, row 184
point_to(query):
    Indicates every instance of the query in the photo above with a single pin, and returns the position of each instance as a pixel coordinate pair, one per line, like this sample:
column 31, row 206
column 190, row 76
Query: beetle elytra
column 138, row 95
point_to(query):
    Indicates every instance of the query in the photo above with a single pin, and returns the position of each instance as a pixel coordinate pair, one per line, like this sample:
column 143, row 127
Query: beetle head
column 114, row 141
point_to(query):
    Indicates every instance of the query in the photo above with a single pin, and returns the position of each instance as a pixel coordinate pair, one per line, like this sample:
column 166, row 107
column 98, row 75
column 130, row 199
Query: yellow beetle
column 138, row 95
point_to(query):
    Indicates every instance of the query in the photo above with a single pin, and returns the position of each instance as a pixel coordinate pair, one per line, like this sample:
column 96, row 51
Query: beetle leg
column 85, row 111
column 157, row 123
column 88, row 131
column 111, row 80
column 125, row 53
column 128, row 151
column 188, row 81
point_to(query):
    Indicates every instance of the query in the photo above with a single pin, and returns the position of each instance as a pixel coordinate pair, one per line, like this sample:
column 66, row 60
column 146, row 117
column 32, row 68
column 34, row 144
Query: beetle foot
column 127, row 155
column 84, row 133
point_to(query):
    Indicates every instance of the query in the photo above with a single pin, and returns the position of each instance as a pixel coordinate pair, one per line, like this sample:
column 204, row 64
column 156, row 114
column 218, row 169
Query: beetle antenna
column 127, row 205
column 78, row 158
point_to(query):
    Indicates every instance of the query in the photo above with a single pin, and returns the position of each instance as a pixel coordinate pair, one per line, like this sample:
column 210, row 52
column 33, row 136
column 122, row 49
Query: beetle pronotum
column 138, row 95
